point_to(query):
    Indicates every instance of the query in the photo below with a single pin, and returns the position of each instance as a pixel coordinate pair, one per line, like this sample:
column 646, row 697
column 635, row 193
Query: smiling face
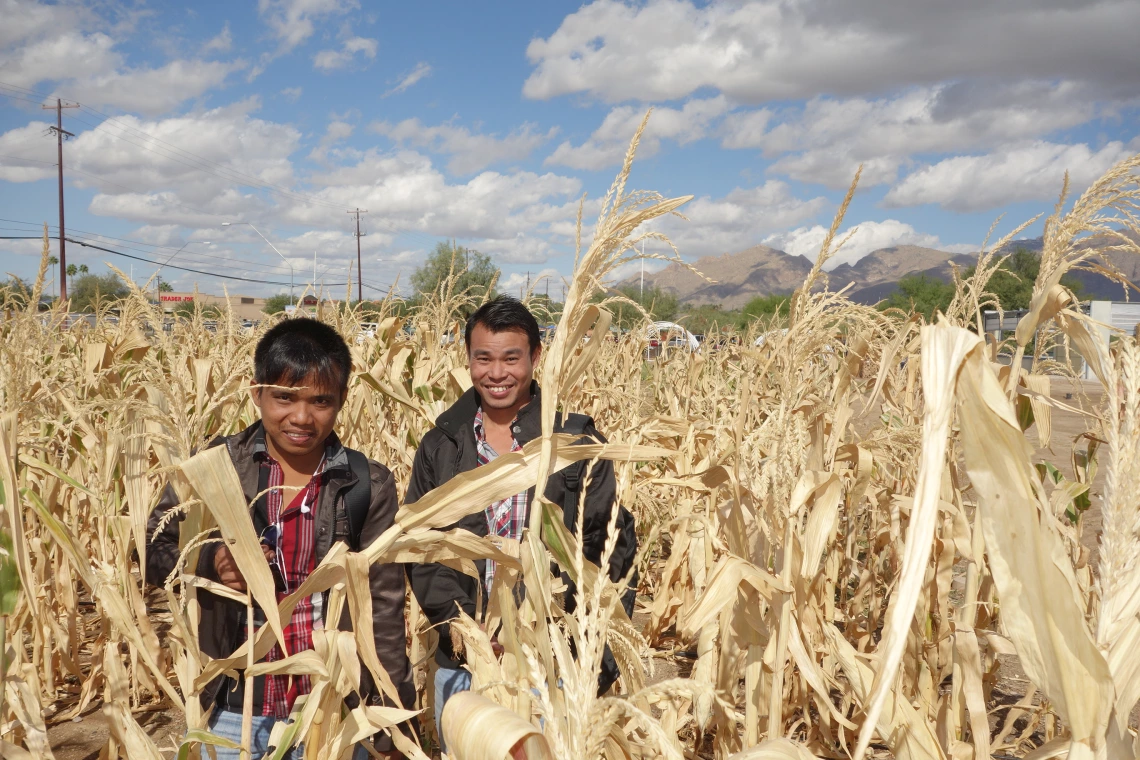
column 298, row 420
column 502, row 367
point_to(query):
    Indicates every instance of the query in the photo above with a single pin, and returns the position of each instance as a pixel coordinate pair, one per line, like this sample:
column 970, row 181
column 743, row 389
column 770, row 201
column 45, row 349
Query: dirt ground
column 85, row 737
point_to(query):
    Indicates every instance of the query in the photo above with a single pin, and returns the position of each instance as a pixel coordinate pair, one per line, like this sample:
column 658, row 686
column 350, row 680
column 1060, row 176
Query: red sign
column 176, row 298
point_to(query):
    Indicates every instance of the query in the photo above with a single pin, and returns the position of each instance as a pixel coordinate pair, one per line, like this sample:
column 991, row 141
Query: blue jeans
column 448, row 682
column 227, row 724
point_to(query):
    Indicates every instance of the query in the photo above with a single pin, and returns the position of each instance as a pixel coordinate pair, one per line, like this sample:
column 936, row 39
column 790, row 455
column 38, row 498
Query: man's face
column 297, row 421
column 502, row 366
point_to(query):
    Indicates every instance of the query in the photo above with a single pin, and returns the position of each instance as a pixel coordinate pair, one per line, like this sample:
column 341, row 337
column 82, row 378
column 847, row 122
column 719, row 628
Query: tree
column 92, row 291
column 767, row 306
column 475, row 270
column 165, row 287
column 186, row 310
column 707, row 318
column 661, row 305
column 15, row 293
column 1012, row 283
column 277, row 303
column 71, row 271
column 83, row 269
column 922, row 294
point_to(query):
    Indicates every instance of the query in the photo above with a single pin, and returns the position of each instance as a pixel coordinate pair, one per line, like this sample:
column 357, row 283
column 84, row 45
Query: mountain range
column 736, row 278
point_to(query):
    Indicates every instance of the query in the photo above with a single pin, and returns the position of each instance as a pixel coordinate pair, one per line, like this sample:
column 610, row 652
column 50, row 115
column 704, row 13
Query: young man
column 501, row 413
column 329, row 494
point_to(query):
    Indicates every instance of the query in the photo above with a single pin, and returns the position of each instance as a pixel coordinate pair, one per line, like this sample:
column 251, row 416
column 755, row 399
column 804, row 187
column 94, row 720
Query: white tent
column 673, row 330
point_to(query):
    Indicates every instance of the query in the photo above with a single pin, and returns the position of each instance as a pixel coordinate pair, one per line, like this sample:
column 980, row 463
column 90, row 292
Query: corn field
column 845, row 528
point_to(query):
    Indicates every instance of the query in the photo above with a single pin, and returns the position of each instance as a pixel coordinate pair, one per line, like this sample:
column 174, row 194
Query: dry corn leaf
column 212, row 475
column 943, row 351
column 1034, row 578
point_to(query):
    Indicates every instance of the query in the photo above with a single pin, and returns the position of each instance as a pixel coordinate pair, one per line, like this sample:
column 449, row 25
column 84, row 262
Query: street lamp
column 158, row 279
column 230, row 224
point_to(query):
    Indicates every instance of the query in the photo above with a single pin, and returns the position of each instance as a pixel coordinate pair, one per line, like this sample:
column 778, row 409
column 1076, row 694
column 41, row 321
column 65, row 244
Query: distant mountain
column 884, row 268
column 737, row 277
column 760, row 270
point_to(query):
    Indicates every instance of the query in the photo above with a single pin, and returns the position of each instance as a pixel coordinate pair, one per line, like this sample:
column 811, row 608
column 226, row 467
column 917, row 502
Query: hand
column 226, row 567
column 496, row 647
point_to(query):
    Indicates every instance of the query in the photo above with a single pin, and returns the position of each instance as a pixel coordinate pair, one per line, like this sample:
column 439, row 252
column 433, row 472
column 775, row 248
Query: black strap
column 573, row 424
column 358, row 498
column 261, row 506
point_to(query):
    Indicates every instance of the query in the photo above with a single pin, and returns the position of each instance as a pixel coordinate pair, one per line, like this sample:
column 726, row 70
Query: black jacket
column 220, row 628
column 449, row 449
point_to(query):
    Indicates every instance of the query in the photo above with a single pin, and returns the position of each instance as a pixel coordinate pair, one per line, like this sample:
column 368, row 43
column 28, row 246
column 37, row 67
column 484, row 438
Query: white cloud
column 608, row 144
column 72, row 50
column 634, row 269
column 149, row 181
column 738, row 220
column 337, row 131
column 291, row 94
column 294, row 21
column 222, row 43
column 470, row 152
column 868, row 237
column 1030, row 172
column 331, row 60
column 516, row 283
column 827, row 139
column 421, row 70
column 156, row 91
column 511, row 216
column 769, row 50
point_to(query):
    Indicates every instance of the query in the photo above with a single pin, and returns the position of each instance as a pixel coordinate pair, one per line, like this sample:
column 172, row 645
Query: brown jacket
column 221, row 629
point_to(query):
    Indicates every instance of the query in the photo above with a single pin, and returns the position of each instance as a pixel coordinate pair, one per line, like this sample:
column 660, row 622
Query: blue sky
column 487, row 122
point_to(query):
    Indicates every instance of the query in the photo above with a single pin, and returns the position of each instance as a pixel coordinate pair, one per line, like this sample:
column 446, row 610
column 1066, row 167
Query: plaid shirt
column 295, row 559
column 508, row 516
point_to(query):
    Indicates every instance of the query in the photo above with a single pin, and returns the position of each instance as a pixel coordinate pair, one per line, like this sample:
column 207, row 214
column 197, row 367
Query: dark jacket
column 448, row 450
column 221, row 627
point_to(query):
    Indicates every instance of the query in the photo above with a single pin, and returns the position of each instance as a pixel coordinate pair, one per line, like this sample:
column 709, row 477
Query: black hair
column 504, row 313
column 299, row 348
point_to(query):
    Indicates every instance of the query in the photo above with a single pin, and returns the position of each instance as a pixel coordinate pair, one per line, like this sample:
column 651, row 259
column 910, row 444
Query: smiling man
column 501, row 413
column 314, row 493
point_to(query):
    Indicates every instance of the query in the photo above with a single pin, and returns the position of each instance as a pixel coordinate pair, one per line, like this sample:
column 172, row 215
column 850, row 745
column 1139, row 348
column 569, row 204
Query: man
column 501, row 413
column 320, row 493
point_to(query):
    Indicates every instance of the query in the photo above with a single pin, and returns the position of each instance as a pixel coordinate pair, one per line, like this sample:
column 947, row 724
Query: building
column 244, row 307
column 1111, row 318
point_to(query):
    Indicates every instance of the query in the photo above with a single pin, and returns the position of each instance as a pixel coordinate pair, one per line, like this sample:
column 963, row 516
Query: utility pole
column 60, row 133
column 359, row 270
column 643, row 270
column 528, row 281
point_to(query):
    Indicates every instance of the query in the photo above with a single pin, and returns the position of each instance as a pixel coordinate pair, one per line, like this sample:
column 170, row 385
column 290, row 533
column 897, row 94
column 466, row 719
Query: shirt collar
column 335, row 456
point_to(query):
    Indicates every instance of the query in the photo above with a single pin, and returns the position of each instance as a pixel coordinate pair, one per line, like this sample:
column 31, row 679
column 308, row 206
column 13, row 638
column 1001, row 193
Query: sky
column 234, row 138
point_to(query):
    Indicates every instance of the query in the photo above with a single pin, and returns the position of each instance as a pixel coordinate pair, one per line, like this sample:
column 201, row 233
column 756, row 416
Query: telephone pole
column 359, row 270
column 60, row 133
column 643, row 271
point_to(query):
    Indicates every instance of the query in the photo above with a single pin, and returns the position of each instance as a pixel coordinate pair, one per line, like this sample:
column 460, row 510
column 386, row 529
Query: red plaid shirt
column 295, row 559
column 508, row 516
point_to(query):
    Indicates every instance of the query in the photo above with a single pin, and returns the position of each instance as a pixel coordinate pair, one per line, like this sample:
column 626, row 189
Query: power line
column 172, row 266
column 155, row 248
column 205, row 165
column 380, row 288
column 33, row 160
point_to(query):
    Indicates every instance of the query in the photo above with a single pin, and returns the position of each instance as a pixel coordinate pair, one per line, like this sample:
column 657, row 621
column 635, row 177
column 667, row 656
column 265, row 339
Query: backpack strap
column 357, row 498
column 573, row 424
